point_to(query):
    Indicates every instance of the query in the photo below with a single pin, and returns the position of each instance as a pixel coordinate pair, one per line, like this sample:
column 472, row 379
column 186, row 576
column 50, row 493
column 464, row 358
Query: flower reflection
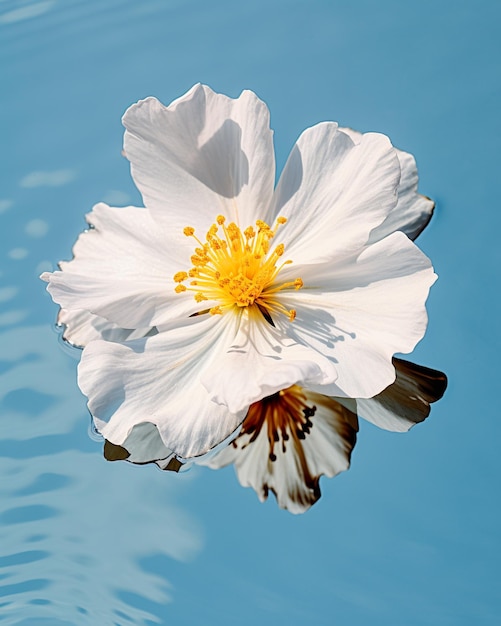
column 287, row 442
column 224, row 291
column 292, row 438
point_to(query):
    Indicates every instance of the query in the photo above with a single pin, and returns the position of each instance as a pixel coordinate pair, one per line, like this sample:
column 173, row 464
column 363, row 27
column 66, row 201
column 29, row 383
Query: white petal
column 260, row 362
column 413, row 211
column 407, row 401
column 203, row 155
column 142, row 445
column 156, row 380
column 360, row 314
column 354, row 135
column 80, row 327
column 294, row 474
column 334, row 193
column 122, row 270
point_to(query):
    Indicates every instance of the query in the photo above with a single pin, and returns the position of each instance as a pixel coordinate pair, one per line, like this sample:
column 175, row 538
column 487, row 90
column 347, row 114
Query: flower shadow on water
column 66, row 524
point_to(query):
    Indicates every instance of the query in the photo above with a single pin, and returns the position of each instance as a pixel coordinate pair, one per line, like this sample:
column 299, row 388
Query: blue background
column 410, row 535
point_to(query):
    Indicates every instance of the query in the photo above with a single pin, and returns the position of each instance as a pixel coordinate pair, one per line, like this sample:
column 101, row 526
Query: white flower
column 222, row 290
column 292, row 438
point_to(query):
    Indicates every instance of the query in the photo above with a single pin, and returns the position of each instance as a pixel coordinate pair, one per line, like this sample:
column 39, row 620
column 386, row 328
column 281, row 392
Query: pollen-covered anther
column 199, row 260
column 180, row 276
column 211, row 232
column 237, row 268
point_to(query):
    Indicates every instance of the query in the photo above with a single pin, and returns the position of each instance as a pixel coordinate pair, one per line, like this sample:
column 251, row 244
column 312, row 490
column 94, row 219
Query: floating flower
column 224, row 290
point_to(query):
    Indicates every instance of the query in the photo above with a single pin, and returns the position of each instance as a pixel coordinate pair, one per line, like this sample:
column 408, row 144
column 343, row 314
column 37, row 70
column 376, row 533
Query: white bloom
column 222, row 290
column 292, row 438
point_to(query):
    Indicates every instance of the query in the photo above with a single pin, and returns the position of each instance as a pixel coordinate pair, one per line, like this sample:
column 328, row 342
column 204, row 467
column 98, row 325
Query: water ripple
column 78, row 528
column 27, row 12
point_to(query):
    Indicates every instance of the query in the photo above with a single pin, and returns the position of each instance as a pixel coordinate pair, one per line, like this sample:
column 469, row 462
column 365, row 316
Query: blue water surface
column 410, row 535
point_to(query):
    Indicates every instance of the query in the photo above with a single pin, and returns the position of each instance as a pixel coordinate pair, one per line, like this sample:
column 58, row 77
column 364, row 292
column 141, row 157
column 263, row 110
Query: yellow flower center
column 237, row 269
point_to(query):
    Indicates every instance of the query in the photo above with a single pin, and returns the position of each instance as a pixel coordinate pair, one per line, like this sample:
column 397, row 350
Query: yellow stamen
column 180, row 276
column 237, row 269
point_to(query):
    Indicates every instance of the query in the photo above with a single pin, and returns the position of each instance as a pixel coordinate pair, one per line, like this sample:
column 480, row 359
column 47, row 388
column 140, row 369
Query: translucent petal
column 122, row 270
column 202, row 155
column 334, row 192
column 413, row 211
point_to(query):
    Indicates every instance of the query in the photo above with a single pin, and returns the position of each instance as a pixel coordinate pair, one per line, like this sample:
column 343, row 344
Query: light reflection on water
column 74, row 535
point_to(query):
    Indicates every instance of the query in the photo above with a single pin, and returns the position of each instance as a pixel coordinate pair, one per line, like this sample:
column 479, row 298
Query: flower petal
column 81, row 327
column 334, row 192
column 122, row 270
column 142, row 445
column 413, row 211
column 359, row 314
column 407, row 401
column 260, row 362
column 156, row 380
column 293, row 476
column 202, row 155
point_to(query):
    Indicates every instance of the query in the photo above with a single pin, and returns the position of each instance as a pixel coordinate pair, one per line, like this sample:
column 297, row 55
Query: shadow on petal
column 214, row 156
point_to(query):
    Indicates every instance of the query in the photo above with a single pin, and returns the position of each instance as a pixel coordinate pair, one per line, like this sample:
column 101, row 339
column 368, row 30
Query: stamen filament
column 236, row 268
